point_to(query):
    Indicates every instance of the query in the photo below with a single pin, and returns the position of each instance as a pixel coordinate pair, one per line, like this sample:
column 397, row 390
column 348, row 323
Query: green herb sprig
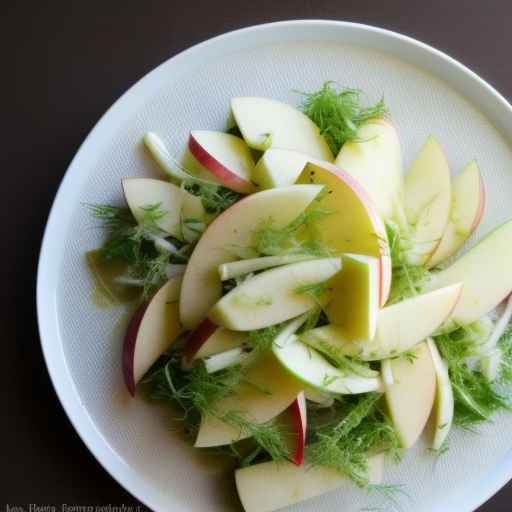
column 345, row 444
column 339, row 112
column 476, row 399
column 132, row 242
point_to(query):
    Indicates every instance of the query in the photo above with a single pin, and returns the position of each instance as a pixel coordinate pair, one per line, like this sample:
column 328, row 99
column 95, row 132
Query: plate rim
column 47, row 310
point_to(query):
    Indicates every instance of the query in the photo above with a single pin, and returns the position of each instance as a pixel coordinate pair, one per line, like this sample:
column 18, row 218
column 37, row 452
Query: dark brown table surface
column 64, row 63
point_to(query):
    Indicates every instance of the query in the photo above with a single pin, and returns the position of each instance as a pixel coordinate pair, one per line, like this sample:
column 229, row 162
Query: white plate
column 427, row 92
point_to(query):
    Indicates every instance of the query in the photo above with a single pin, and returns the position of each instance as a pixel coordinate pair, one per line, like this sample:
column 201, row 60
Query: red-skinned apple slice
column 225, row 156
column 269, row 486
column 196, row 339
column 153, row 327
column 232, row 230
column 468, row 203
column 293, row 422
column 208, row 339
column 486, row 273
column 354, row 225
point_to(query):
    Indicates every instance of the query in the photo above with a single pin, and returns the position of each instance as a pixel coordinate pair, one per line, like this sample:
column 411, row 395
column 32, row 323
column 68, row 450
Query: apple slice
column 266, row 392
column 399, row 327
column 225, row 156
column 427, row 201
column 411, row 396
column 293, row 423
column 167, row 163
column 355, row 297
column 266, row 123
column 444, row 404
column 468, row 203
column 353, row 226
column 152, row 329
column 209, row 339
column 311, row 368
column 269, row 486
column 231, row 230
column 374, row 159
column 142, row 192
column 273, row 296
column 196, row 339
column 486, row 273
column 278, row 168
column 193, row 217
column 220, row 341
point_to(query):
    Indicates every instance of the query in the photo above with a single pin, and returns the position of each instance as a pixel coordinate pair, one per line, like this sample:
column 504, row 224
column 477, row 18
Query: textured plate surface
column 426, row 92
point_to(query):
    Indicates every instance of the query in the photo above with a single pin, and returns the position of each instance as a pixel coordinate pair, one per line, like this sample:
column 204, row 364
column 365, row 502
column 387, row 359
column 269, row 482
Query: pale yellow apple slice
column 353, row 224
column 143, row 192
column 411, row 396
column 374, row 159
column 468, row 203
column 193, row 217
column 273, row 296
column 444, row 402
column 269, row 486
column 230, row 231
column 486, row 273
column 278, row 168
column 427, row 201
column 355, row 296
column 267, row 391
column 267, row 123
column 163, row 157
column 307, row 365
column 152, row 329
column 399, row 327
column 220, row 341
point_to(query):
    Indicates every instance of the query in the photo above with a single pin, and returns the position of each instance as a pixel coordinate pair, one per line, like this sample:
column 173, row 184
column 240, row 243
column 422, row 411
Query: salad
column 301, row 303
